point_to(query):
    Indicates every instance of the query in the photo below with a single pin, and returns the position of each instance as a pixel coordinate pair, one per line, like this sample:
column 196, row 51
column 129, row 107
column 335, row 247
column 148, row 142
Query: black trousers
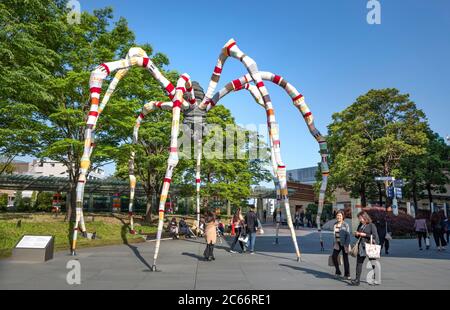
column 359, row 264
column 439, row 237
column 236, row 239
column 420, row 235
column 209, row 251
column 336, row 263
column 384, row 242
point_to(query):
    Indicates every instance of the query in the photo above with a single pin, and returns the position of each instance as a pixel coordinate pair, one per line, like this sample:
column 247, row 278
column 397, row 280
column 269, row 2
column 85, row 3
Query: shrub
column 3, row 202
column 44, row 201
column 400, row 225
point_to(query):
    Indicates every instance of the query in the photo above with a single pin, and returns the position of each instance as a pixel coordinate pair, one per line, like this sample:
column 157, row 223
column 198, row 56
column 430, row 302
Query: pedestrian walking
column 341, row 243
column 297, row 219
column 420, row 227
column 251, row 224
column 384, row 233
column 210, row 236
column 309, row 219
column 239, row 224
column 437, row 223
column 366, row 232
column 446, row 227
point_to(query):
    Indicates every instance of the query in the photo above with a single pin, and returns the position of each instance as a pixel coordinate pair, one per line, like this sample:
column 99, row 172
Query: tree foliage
column 371, row 137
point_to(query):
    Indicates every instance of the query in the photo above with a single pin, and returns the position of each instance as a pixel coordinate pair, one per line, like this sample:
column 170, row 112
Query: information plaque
column 34, row 248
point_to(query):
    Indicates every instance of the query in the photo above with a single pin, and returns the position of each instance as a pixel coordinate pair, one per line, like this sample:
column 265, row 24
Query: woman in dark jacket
column 365, row 230
column 383, row 229
column 437, row 228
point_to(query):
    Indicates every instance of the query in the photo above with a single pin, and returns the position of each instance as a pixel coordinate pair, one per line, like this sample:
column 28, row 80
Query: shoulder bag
column 373, row 250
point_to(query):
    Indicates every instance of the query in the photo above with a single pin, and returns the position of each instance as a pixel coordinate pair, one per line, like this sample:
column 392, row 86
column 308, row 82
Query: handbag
column 427, row 242
column 330, row 260
column 355, row 248
column 243, row 238
column 259, row 229
column 372, row 250
column 388, row 236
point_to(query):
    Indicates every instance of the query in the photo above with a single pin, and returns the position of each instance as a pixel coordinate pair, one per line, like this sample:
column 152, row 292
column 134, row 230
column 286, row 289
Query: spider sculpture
column 183, row 98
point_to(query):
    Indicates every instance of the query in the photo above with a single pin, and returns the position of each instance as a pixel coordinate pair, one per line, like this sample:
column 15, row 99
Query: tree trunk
column 430, row 195
column 362, row 193
column 380, row 194
column 149, row 209
column 414, row 192
column 72, row 196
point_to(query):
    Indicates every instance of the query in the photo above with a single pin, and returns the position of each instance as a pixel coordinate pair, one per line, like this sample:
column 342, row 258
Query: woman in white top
column 341, row 232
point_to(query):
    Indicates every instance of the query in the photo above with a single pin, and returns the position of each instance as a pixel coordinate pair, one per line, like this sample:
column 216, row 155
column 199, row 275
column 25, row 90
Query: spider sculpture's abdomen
column 194, row 115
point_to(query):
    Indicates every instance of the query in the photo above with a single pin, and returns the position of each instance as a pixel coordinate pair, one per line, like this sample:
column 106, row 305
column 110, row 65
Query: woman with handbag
column 366, row 233
column 341, row 243
column 238, row 222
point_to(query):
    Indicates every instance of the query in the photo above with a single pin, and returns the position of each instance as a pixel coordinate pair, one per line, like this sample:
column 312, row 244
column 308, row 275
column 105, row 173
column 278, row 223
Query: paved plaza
column 181, row 267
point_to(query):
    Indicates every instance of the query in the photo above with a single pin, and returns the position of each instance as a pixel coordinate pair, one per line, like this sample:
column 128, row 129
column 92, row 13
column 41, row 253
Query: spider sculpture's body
column 183, row 98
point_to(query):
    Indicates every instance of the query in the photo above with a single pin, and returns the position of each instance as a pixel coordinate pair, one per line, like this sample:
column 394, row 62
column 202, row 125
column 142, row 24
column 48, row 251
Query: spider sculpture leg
column 136, row 56
column 146, row 109
column 300, row 104
column 231, row 49
column 172, row 162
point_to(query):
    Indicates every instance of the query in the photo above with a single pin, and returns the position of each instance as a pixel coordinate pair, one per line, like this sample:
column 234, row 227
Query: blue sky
column 324, row 48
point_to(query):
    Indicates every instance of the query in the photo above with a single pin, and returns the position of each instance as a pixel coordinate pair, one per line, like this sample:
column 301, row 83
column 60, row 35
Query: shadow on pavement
column 198, row 257
column 310, row 244
column 315, row 273
column 123, row 232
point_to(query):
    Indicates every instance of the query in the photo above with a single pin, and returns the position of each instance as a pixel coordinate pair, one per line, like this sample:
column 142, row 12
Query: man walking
column 251, row 221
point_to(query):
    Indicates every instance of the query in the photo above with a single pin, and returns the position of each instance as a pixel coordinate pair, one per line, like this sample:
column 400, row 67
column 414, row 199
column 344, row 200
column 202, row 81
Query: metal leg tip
column 153, row 268
column 73, row 253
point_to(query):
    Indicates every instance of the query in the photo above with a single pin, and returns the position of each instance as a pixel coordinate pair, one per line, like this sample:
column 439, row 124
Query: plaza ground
column 180, row 266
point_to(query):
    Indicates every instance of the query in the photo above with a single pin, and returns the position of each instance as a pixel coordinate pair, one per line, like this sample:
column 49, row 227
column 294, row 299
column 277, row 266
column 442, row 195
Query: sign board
column 399, row 183
column 398, row 193
column 33, row 242
column 391, row 192
column 384, row 179
column 34, row 248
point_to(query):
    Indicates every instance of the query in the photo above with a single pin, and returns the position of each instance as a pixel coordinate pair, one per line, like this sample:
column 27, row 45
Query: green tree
column 370, row 138
column 229, row 179
column 428, row 172
column 436, row 162
column 45, row 82
column 27, row 61
column 151, row 152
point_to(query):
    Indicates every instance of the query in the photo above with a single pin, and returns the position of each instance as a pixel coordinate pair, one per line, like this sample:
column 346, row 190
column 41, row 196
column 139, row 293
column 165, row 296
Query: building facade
column 44, row 168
